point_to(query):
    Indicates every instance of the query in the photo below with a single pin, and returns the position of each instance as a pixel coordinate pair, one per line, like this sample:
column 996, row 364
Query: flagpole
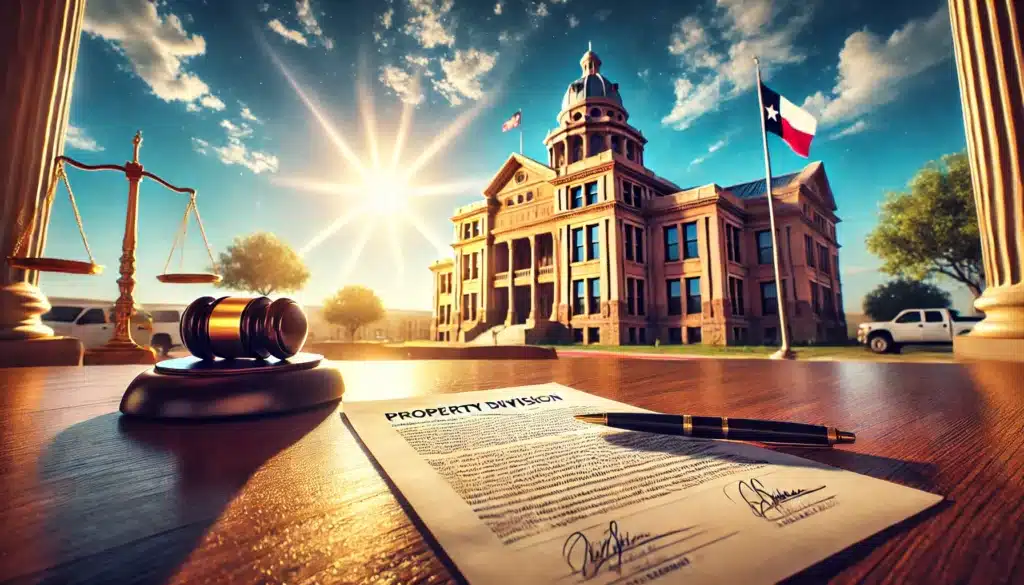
column 784, row 353
column 520, row 132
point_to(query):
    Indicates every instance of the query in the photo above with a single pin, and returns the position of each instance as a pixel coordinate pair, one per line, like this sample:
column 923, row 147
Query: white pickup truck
column 915, row 327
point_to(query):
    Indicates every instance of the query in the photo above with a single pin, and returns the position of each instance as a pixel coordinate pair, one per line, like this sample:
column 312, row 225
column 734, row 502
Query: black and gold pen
column 714, row 427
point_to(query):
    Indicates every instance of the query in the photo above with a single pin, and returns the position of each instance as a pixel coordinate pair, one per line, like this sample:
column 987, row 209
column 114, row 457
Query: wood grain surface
column 89, row 497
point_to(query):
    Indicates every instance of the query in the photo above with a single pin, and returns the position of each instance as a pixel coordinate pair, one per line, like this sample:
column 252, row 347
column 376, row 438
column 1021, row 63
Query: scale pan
column 189, row 278
column 54, row 265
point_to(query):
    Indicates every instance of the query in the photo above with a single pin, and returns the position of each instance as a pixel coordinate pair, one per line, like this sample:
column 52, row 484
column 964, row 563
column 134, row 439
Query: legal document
column 517, row 491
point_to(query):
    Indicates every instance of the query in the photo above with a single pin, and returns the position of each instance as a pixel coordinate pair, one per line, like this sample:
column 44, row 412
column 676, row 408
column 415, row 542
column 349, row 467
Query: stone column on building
column 533, row 279
column 510, row 318
column 486, row 278
column 556, row 253
column 40, row 47
column 565, row 151
column 987, row 37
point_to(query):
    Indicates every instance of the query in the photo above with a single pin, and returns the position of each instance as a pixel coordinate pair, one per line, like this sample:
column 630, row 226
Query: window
column 815, row 301
column 577, row 245
column 739, row 335
column 736, row 295
column 809, row 249
column 594, row 304
column 690, row 233
column 630, row 296
column 577, row 335
column 674, row 295
column 593, row 243
column 732, row 242
column 166, row 317
column 630, row 150
column 617, row 144
column 449, row 279
column 693, row 295
column 835, row 265
column 578, row 297
column 529, row 195
column 933, row 317
column 577, row 196
column 465, row 307
column 639, row 241
column 911, row 317
column 671, row 244
column 769, row 299
column 627, row 192
column 642, row 335
column 693, row 335
column 466, row 268
column 632, row 335
column 592, row 193
column 764, row 247
column 466, row 231
column 629, row 242
column 640, row 298
column 62, row 314
column 476, row 224
column 476, row 264
column 593, row 335
column 830, row 307
column 823, row 258
column 595, row 113
column 675, row 335
column 637, row 196
column 770, row 335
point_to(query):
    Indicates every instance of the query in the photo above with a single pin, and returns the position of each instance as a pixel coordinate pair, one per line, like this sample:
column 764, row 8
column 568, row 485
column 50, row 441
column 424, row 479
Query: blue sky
column 201, row 79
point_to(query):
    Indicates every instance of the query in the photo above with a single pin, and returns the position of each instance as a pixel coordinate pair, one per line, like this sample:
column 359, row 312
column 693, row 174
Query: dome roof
column 591, row 85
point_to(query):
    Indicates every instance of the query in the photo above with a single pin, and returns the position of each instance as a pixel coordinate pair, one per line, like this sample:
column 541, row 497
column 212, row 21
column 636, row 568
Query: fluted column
column 39, row 41
column 510, row 318
column 533, row 278
column 556, row 259
column 987, row 37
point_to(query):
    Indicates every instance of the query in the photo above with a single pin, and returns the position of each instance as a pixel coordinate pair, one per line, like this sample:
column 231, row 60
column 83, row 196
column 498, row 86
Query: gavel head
column 233, row 327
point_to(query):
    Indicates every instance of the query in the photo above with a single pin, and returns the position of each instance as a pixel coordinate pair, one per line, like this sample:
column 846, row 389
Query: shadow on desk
column 130, row 500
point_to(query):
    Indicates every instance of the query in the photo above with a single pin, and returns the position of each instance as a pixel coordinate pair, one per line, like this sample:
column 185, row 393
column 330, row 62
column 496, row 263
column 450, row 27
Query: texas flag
column 512, row 122
column 787, row 120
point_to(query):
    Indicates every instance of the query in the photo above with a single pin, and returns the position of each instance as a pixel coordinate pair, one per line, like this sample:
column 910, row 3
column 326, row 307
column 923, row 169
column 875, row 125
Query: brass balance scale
column 121, row 348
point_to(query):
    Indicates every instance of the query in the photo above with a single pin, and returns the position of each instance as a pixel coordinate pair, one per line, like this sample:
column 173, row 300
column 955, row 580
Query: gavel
column 243, row 328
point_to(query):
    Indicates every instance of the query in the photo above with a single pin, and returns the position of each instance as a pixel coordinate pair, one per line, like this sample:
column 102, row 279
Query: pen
column 713, row 427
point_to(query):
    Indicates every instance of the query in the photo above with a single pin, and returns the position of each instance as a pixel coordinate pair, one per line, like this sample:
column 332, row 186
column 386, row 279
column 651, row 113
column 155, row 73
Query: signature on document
column 769, row 503
column 587, row 557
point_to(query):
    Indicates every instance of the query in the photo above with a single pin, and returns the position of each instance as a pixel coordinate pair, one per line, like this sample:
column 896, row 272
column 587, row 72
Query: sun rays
column 385, row 187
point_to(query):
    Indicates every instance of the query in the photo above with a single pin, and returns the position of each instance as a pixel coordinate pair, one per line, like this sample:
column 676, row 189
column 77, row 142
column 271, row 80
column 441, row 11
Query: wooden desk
column 86, row 496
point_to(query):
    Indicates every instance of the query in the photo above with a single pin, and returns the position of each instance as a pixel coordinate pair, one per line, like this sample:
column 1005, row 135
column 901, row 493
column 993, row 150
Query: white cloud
column 157, row 46
column 288, row 33
column 698, row 160
column 405, row 86
column 263, row 6
column 497, row 8
column 855, row 128
column 304, row 12
column 559, row 1
column 573, row 21
column 538, row 10
column 872, row 70
column 419, row 61
column 716, row 54
column 603, row 14
column 463, row 75
column 248, row 115
column 235, row 151
column 77, row 138
column 718, row 145
column 431, row 23
column 387, row 18
column 644, row 74
column 211, row 101
column 715, row 146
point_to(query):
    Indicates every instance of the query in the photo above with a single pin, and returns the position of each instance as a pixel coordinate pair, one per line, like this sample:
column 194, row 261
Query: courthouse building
column 594, row 247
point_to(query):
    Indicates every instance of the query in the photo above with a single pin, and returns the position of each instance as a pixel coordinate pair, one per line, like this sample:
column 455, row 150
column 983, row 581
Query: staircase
column 543, row 332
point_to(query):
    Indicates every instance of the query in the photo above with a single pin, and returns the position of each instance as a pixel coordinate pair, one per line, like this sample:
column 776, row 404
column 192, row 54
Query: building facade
column 594, row 247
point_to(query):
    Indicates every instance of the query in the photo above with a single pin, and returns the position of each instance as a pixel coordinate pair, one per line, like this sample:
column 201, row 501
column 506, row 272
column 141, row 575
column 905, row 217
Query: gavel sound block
column 245, row 361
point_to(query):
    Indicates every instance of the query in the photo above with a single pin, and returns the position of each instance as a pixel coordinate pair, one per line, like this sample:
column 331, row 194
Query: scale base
column 119, row 353
column 191, row 389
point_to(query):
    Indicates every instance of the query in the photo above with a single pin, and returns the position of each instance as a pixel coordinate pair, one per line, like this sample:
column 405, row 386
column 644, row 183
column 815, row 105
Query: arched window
column 519, row 199
column 609, row 113
column 577, row 117
column 630, row 150
column 576, row 148
column 509, row 202
column 529, row 195
column 595, row 113
column 596, row 144
column 617, row 144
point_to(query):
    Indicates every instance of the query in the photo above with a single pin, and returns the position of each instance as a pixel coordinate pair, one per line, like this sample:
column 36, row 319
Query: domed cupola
column 591, row 85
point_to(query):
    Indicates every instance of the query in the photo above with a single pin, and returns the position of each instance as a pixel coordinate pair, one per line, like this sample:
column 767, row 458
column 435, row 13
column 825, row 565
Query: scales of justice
column 121, row 348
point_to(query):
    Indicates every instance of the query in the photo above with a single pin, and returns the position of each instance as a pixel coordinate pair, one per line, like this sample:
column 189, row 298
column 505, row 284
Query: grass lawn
column 815, row 353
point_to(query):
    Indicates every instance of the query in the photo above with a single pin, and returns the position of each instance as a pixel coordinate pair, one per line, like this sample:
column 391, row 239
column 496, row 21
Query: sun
column 378, row 191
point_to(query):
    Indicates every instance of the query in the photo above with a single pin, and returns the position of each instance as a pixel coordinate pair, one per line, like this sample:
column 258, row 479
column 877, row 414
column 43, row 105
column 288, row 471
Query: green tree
column 352, row 307
column 932, row 229
column 888, row 299
column 263, row 264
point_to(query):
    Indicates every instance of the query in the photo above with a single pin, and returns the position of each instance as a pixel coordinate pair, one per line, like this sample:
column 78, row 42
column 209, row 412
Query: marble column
column 533, row 279
column 39, row 41
column 987, row 38
column 510, row 318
